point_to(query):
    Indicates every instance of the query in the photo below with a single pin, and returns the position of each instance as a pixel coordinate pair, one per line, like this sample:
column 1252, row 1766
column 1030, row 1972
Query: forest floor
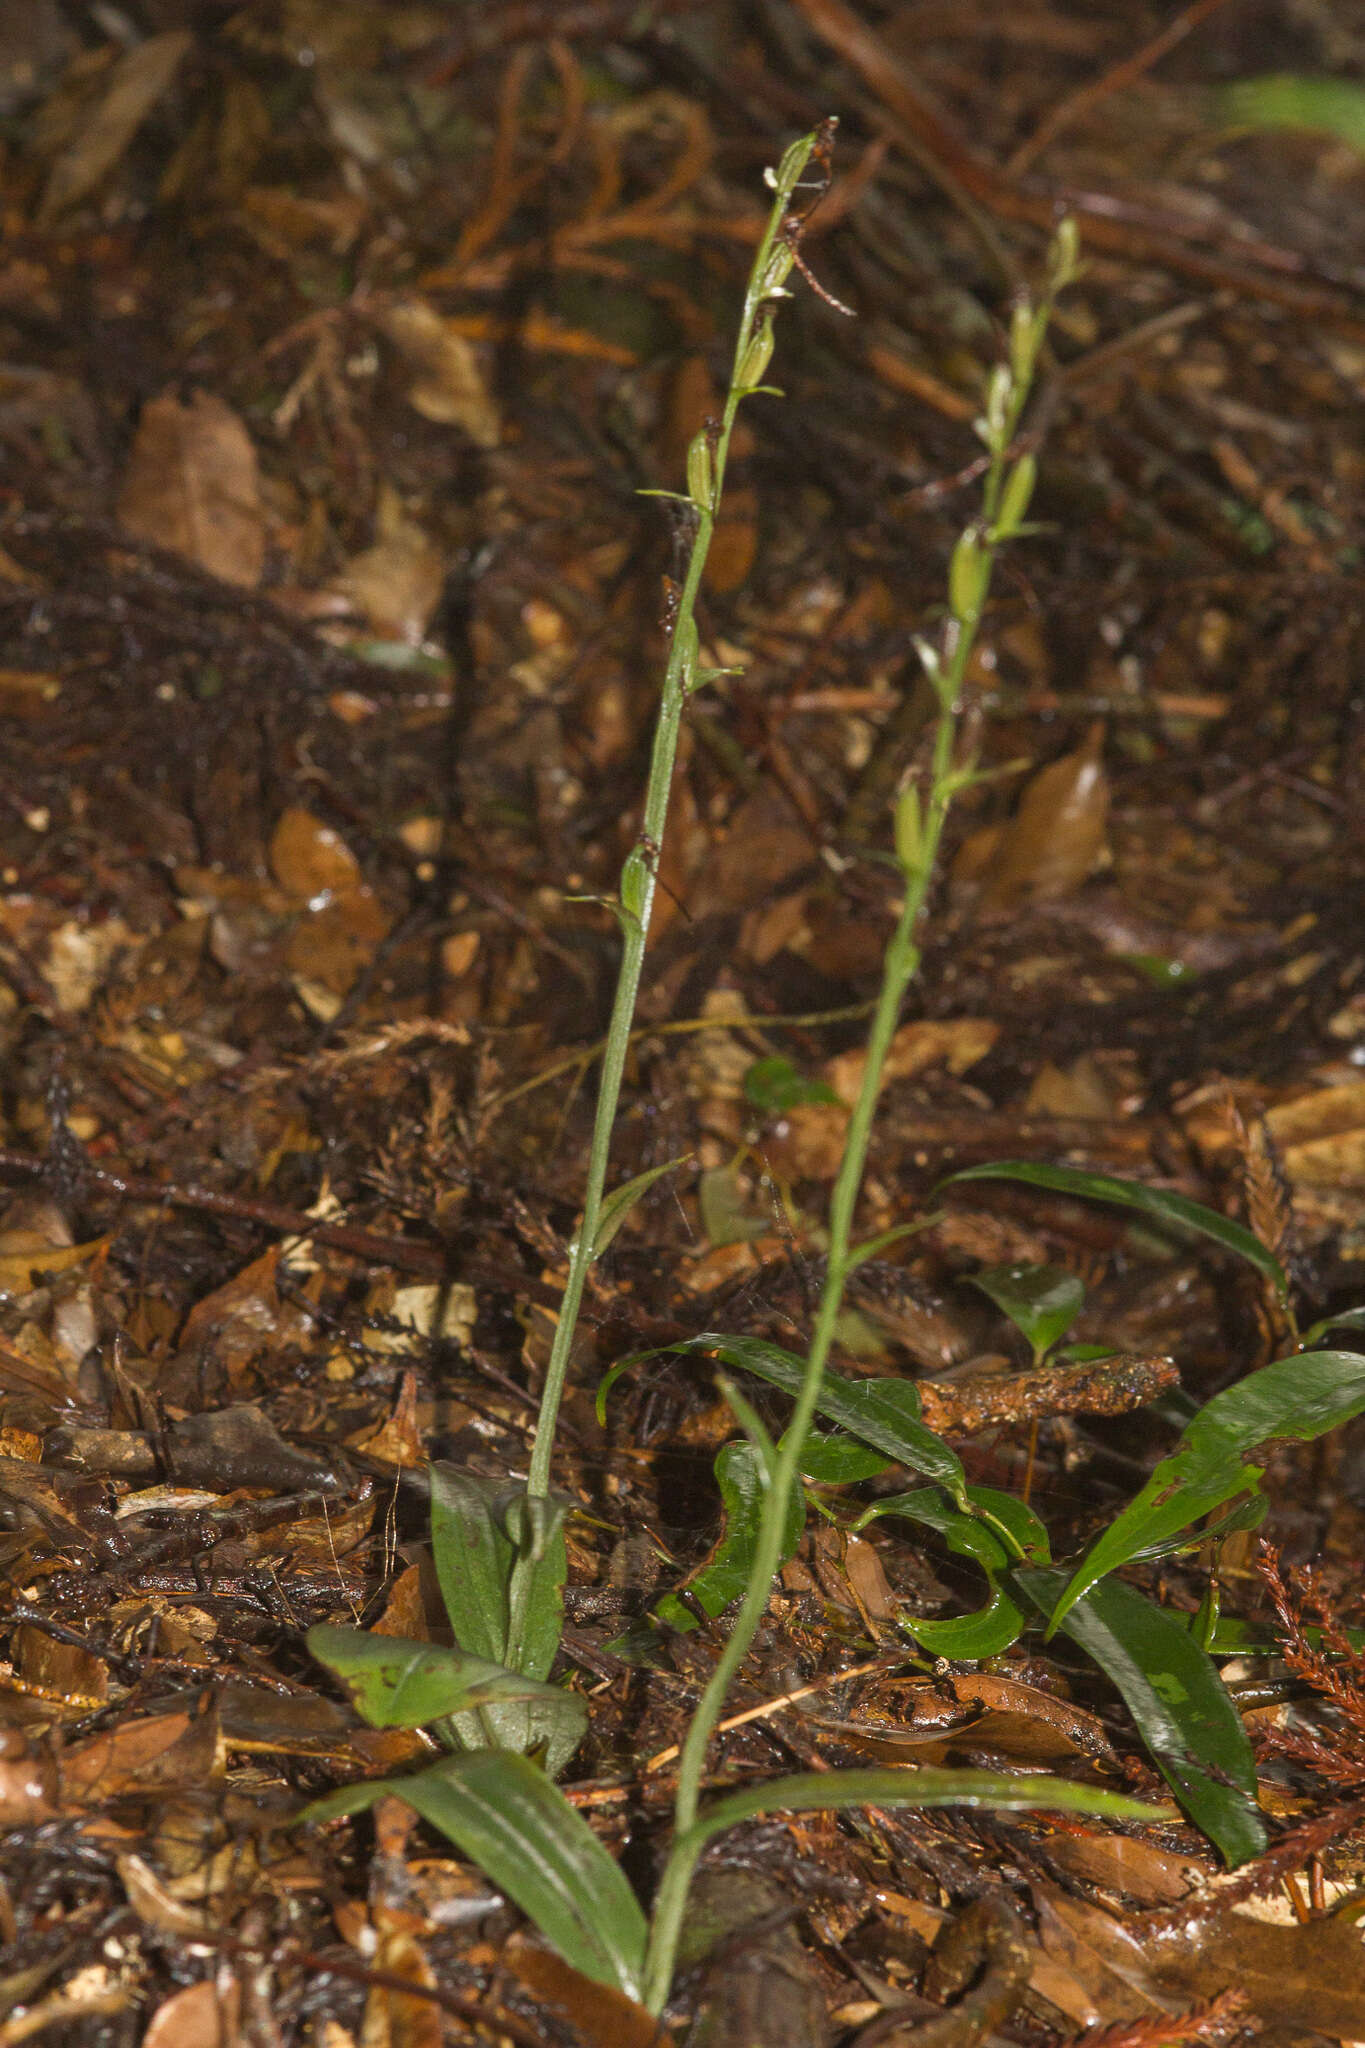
column 337, row 346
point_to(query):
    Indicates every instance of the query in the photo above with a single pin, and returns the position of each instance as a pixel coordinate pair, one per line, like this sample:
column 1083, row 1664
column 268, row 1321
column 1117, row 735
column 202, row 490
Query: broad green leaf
column 395, row 1683
column 1158, row 1203
column 478, row 1532
column 1244, row 1514
column 1299, row 1397
column 774, row 1085
column 622, row 1200
column 992, row 1628
column 1180, row 1705
column 836, row 1460
column 1288, row 99
column 1041, row 1301
column 883, row 1413
column 506, row 1816
column 724, row 1577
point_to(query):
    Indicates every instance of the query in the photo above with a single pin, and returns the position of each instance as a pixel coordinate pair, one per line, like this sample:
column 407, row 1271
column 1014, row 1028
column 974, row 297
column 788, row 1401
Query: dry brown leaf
column 595, row 2012
column 956, row 1043
column 1056, row 836
column 309, row 859
column 1321, row 1137
column 391, row 2019
column 396, row 584
column 193, row 485
column 26, row 1789
column 449, row 387
column 134, row 84
column 200, row 2016
column 158, row 1752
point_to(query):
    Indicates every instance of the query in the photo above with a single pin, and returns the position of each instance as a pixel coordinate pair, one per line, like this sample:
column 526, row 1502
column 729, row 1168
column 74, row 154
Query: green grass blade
column 1177, row 1700
column 1158, row 1203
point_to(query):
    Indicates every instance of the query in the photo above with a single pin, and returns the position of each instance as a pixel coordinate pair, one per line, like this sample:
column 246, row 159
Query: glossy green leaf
column 395, row 1683
column 1177, row 1700
column 993, row 1628
column 506, row 1816
column 1244, row 1514
column 774, row 1085
column 1158, row 1203
column 724, row 1577
column 479, row 1530
column 618, row 1204
column 839, row 1460
column 883, row 1413
column 1300, row 1397
column 1041, row 1301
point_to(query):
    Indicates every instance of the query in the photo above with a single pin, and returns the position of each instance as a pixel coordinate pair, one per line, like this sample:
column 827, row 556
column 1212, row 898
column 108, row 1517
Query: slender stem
column 771, row 265
column 899, row 967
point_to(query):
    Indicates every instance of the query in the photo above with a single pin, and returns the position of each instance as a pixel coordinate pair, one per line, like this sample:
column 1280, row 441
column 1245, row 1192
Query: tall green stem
column 705, row 476
column 919, row 833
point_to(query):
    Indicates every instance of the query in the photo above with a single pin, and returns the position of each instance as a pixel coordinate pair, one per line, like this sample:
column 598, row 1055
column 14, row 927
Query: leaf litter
column 326, row 388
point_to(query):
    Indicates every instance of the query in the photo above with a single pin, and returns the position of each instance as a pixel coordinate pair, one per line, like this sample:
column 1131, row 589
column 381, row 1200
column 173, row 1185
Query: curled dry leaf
column 193, row 485
column 1056, row 836
column 448, row 386
column 134, row 84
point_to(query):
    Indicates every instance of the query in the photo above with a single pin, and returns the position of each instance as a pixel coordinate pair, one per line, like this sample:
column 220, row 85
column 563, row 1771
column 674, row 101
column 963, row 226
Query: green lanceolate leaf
column 992, row 1628
column 724, row 1577
column 1158, row 1203
column 479, row 1531
column 1299, row 1397
column 507, row 1817
column 883, row 1413
column 1288, row 99
column 823, row 1791
column 1041, row 1301
column 1349, row 1319
column 619, row 1203
column 1180, row 1705
column 395, row 1683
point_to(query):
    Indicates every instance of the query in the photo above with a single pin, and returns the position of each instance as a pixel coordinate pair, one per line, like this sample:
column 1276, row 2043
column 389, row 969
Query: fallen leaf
column 309, row 859
column 449, row 387
column 1055, row 837
column 193, row 485
column 396, row 584
column 134, row 84
column 200, row 2016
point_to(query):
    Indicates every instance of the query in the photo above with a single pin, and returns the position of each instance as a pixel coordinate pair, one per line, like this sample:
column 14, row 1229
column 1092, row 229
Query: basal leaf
column 1299, row 1397
column 992, row 1628
column 505, row 1815
column 1177, row 1700
column 479, row 1530
column 394, row 1683
column 724, row 1577
column 1041, row 1301
column 1158, row 1203
column 883, row 1413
